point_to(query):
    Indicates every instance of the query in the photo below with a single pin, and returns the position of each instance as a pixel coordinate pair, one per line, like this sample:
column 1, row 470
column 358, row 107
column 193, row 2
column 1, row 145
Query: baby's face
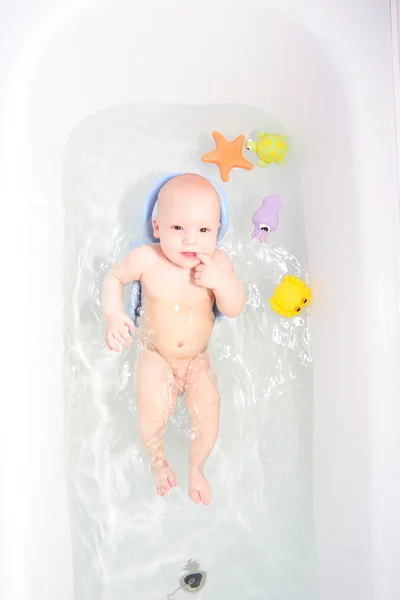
column 187, row 219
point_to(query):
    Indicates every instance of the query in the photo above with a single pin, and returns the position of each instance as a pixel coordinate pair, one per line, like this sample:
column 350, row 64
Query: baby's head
column 188, row 218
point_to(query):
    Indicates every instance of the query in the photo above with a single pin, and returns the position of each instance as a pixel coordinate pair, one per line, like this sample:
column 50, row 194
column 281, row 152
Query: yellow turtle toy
column 269, row 147
column 290, row 297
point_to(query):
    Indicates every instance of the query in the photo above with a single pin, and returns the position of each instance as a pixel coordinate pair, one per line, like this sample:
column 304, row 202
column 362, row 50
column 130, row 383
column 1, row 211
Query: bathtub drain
column 193, row 581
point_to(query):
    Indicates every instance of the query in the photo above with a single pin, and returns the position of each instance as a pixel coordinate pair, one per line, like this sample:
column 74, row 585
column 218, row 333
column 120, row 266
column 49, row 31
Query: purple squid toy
column 266, row 218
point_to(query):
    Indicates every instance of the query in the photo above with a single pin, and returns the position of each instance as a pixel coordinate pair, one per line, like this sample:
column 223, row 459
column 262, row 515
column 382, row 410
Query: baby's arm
column 217, row 273
column 229, row 292
column 118, row 323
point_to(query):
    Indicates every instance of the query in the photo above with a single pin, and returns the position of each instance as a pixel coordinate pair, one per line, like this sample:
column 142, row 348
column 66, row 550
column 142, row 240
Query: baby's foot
column 164, row 477
column 199, row 488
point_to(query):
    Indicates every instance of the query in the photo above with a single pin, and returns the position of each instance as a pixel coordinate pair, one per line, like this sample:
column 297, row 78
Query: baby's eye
column 204, row 230
column 177, row 227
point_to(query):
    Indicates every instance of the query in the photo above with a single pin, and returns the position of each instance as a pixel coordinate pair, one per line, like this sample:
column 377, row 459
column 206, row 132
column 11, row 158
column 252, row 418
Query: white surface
column 324, row 69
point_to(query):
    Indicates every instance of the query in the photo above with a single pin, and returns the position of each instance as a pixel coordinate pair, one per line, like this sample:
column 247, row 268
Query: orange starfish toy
column 227, row 155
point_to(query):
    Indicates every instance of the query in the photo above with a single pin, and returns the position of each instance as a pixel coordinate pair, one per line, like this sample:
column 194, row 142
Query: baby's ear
column 156, row 228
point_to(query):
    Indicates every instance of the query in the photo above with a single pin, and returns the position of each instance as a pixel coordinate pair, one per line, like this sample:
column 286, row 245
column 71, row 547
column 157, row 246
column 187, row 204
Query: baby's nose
column 189, row 237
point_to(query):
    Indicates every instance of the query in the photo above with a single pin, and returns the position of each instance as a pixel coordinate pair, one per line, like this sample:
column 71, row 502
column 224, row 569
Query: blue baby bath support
column 135, row 295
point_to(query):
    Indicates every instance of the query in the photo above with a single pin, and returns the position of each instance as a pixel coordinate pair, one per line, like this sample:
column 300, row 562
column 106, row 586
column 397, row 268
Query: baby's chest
column 173, row 286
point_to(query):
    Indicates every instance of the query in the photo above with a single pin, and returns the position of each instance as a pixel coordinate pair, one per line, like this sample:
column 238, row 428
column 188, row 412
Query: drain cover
column 193, row 582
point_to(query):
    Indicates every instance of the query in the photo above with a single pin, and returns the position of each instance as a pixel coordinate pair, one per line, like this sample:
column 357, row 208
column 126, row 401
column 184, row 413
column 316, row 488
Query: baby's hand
column 207, row 273
column 118, row 327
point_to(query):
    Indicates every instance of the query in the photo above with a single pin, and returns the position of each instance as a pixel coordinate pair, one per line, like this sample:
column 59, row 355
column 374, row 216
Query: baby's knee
column 150, row 428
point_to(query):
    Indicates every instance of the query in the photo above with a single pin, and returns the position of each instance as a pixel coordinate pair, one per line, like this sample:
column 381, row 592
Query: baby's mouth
column 189, row 254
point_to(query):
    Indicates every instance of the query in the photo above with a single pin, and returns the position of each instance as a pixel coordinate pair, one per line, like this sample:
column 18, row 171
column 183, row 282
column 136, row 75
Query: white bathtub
column 325, row 70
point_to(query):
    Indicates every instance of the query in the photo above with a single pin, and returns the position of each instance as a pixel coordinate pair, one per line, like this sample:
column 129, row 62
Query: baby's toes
column 172, row 479
column 194, row 495
column 205, row 495
column 162, row 490
column 199, row 488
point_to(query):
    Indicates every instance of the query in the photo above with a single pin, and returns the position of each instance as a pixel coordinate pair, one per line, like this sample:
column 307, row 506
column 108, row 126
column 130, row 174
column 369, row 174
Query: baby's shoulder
column 151, row 254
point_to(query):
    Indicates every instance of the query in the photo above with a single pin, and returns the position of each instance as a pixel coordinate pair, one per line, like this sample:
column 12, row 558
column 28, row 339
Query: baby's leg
column 202, row 402
column 156, row 395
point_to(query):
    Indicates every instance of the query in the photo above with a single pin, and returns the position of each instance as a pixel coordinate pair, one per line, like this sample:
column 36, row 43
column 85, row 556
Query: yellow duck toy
column 290, row 296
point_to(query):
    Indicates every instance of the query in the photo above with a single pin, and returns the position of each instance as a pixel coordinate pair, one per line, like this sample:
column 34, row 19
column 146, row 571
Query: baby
column 181, row 278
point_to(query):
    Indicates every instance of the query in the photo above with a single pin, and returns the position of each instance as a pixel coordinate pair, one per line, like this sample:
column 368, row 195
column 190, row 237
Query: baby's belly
column 179, row 330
